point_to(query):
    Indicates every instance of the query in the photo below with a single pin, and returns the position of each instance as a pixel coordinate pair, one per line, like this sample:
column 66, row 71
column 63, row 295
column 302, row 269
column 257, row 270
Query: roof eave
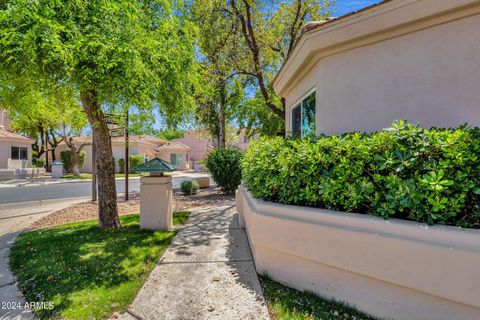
column 358, row 28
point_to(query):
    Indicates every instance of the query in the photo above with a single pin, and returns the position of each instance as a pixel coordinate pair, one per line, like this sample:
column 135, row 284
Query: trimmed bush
column 38, row 162
column 121, row 165
column 189, row 187
column 66, row 156
column 224, row 165
column 404, row 172
column 133, row 161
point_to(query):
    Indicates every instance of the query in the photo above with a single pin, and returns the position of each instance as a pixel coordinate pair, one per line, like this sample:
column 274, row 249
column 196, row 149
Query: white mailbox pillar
column 57, row 169
column 156, row 203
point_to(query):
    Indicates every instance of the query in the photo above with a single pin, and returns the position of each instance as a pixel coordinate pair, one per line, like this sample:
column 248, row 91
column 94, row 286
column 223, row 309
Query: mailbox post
column 156, row 195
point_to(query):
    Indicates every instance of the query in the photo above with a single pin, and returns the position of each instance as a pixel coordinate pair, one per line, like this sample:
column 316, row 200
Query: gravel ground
column 89, row 211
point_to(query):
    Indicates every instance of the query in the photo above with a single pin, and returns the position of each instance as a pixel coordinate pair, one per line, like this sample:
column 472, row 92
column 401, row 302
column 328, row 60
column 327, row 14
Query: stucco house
column 15, row 151
column 142, row 145
column 198, row 144
column 175, row 152
column 417, row 60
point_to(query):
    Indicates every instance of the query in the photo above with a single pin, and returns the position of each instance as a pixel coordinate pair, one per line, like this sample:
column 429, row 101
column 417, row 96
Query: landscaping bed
column 86, row 272
column 89, row 211
column 289, row 304
column 366, row 261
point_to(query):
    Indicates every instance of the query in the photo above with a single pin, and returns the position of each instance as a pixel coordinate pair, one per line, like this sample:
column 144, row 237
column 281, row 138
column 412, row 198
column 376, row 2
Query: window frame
column 20, row 151
column 177, row 156
column 299, row 104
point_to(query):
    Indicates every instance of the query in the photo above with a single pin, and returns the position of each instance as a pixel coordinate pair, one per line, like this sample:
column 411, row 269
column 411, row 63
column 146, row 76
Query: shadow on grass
column 85, row 271
column 287, row 303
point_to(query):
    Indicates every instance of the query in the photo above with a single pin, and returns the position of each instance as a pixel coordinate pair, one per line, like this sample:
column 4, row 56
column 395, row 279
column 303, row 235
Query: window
column 176, row 159
column 303, row 117
column 19, row 153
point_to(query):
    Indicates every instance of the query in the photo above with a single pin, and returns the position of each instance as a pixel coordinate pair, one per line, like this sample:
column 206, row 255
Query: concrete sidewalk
column 206, row 273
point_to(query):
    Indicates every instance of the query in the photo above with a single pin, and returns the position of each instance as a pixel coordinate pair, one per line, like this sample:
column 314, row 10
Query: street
column 16, row 194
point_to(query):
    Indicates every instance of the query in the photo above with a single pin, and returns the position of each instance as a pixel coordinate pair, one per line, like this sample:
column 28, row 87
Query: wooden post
column 46, row 151
column 126, row 155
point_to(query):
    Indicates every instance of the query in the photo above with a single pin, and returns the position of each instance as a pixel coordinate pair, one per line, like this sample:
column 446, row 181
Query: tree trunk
column 107, row 194
column 221, row 118
column 53, row 144
column 75, row 155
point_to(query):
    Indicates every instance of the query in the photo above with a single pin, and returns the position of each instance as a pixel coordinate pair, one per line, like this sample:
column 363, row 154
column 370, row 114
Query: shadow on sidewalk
column 214, row 236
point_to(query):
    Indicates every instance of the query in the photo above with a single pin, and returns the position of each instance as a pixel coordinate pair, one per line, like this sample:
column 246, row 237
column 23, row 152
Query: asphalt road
column 64, row 190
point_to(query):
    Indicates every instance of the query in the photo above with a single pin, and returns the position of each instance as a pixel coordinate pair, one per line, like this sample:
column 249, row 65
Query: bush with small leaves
column 405, row 172
column 224, row 164
column 38, row 162
column 189, row 187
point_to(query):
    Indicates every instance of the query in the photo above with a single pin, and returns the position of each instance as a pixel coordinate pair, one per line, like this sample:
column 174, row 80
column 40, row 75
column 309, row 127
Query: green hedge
column 404, row 172
column 134, row 160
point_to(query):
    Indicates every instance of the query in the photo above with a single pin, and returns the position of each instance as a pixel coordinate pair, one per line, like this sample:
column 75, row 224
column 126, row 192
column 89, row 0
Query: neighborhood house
column 15, row 151
column 402, row 59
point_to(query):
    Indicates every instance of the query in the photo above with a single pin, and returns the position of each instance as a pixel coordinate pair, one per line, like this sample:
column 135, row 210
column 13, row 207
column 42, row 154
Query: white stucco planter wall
column 391, row 269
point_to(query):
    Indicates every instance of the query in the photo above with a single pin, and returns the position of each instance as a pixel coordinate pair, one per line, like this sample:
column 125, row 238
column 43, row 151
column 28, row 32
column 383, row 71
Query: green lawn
column 81, row 176
column 286, row 303
column 89, row 175
column 86, row 272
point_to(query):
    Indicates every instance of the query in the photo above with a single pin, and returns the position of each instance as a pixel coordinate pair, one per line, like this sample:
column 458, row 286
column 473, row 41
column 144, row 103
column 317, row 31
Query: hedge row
column 404, row 172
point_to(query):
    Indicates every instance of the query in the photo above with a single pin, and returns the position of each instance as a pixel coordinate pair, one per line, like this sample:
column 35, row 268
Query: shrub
column 121, row 165
column 38, row 162
column 225, row 166
column 66, row 156
column 133, row 161
column 189, row 187
column 405, row 172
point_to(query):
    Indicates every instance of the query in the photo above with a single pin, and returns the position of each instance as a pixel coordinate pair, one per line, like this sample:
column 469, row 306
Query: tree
column 73, row 123
column 113, row 53
column 32, row 110
column 170, row 134
column 269, row 31
column 220, row 88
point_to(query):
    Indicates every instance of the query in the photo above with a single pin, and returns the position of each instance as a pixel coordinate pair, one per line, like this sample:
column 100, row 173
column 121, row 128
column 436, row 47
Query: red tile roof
column 12, row 135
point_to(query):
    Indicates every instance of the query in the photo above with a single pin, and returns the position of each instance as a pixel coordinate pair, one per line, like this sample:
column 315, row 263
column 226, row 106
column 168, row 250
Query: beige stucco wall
column 5, row 153
column 164, row 154
column 429, row 77
column 392, row 269
column 198, row 147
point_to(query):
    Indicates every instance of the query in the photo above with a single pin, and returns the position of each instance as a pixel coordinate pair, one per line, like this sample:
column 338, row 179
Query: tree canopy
column 114, row 53
column 246, row 42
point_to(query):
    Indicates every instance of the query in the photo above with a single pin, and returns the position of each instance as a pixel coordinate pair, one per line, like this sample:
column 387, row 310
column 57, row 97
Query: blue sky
column 346, row 6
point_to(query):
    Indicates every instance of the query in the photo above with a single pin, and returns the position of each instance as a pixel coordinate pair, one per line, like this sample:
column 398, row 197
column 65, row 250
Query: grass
column 287, row 303
column 88, row 176
column 81, row 176
column 87, row 273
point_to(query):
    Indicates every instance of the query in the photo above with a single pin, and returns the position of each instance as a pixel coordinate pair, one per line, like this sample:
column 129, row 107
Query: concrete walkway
column 206, row 273
column 14, row 218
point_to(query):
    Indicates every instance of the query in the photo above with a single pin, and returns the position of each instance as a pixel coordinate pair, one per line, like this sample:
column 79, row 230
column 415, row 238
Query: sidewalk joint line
column 200, row 262
column 7, row 284
column 25, row 215
column 133, row 314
